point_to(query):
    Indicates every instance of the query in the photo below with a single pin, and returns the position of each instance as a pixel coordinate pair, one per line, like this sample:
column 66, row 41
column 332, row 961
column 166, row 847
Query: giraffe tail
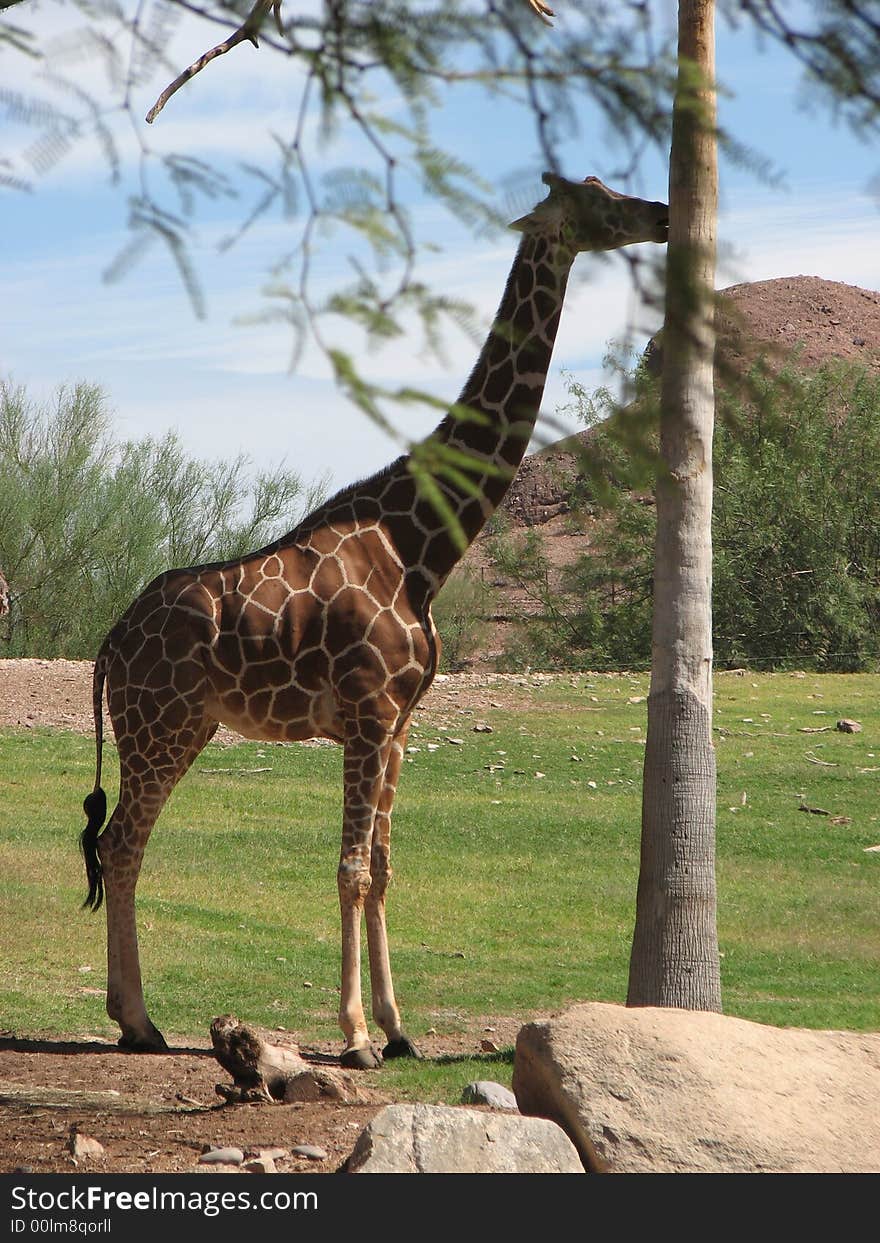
column 95, row 804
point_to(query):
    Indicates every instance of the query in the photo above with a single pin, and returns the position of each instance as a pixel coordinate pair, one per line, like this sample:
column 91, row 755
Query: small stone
column 489, row 1046
column 268, row 1154
column 456, row 742
column 482, row 727
column 311, row 1151
column 846, row 726
column 872, row 850
column 538, row 776
column 222, row 1156
column 260, row 1165
column 84, row 1148
column 487, row 1092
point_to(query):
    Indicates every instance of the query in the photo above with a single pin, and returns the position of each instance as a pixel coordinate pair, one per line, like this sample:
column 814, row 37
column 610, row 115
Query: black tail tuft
column 95, row 807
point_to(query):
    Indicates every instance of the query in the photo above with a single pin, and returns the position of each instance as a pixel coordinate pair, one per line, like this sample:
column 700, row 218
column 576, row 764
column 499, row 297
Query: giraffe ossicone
column 327, row 632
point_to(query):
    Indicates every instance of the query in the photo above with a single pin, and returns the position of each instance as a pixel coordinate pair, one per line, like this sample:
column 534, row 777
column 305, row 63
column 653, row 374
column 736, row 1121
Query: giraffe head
column 588, row 215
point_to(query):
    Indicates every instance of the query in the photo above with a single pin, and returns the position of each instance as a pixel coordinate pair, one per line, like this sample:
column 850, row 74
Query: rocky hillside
column 822, row 319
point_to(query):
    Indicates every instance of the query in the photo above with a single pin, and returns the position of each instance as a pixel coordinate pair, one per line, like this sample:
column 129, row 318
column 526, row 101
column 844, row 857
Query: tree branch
column 249, row 29
column 543, row 11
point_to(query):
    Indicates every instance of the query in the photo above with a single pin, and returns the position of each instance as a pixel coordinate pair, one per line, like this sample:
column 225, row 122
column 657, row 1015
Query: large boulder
column 440, row 1139
column 675, row 1090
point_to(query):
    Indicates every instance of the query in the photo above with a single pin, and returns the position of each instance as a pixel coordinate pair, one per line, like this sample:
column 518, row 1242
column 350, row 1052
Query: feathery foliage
column 796, row 532
column 86, row 521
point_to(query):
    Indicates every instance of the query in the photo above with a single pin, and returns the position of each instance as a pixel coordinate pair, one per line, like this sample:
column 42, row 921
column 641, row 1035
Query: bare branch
column 543, row 11
column 249, row 29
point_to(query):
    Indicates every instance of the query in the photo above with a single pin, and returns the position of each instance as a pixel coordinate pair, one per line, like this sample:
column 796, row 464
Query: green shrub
column 86, row 521
column 460, row 612
column 796, row 530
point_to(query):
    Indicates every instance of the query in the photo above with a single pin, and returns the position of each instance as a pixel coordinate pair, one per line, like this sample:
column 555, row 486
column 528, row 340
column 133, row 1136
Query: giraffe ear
column 539, row 213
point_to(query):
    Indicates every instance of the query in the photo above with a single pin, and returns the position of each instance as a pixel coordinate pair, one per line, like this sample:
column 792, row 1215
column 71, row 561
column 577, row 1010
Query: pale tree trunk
column 675, row 945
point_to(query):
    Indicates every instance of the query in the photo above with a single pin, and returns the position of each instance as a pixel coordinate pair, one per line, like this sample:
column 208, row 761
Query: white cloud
column 809, row 231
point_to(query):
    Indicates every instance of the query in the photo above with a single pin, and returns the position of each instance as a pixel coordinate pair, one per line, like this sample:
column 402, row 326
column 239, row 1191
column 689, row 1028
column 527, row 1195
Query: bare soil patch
column 167, row 1111
column 57, row 694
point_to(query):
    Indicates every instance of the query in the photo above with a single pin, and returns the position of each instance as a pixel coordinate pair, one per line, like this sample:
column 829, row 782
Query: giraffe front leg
column 385, row 1010
column 367, row 749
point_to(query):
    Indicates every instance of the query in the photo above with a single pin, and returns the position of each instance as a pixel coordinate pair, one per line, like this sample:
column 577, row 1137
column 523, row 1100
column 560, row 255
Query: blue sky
column 227, row 387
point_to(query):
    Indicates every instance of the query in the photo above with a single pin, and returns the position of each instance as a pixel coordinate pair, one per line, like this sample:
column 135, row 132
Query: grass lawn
column 516, row 860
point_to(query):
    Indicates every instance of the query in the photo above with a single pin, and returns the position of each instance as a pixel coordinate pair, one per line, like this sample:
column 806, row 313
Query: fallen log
column 266, row 1072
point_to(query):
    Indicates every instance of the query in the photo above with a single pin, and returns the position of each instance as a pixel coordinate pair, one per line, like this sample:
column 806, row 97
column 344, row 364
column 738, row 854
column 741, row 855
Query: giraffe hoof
column 150, row 1042
column 401, row 1047
column 361, row 1059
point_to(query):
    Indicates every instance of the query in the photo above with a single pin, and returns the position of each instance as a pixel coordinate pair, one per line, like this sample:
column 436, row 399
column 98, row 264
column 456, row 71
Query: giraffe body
column 327, row 632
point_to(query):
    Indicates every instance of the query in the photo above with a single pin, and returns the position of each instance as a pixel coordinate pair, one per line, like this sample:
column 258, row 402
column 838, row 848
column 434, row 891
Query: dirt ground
column 57, row 694
column 167, row 1111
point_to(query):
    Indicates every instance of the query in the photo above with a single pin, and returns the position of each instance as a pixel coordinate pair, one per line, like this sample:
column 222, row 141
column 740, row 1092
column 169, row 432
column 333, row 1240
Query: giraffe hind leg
column 146, row 781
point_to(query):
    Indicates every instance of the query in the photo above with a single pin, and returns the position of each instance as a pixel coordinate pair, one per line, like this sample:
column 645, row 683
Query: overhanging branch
column 248, row 30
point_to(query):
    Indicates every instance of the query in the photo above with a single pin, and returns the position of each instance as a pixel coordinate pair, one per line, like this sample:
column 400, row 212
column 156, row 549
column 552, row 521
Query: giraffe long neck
column 495, row 415
column 489, row 426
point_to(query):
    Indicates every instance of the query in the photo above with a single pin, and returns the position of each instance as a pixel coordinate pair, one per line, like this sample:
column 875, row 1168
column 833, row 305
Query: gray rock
column 316, row 1083
column 666, row 1090
column 439, row 1139
column 312, row 1151
column 222, row 1156
column 268, row 1154
column 259, row 1165
column 485, row 1092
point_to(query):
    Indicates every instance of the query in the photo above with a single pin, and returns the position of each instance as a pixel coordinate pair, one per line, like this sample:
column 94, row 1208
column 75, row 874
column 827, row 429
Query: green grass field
column 514, row 892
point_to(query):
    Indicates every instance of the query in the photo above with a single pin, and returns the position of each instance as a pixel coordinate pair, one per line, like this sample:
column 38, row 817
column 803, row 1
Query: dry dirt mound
column 823, row 320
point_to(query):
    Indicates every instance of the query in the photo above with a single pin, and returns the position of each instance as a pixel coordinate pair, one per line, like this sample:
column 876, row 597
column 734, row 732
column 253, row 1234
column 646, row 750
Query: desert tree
column 86, row 520
column 369, row 81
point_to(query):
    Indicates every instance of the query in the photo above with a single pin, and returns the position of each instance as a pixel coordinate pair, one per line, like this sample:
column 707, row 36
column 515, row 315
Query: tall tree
column 674, row 958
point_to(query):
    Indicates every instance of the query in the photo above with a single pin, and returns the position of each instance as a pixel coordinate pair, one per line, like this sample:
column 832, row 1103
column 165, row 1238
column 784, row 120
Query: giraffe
column 327, row 632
